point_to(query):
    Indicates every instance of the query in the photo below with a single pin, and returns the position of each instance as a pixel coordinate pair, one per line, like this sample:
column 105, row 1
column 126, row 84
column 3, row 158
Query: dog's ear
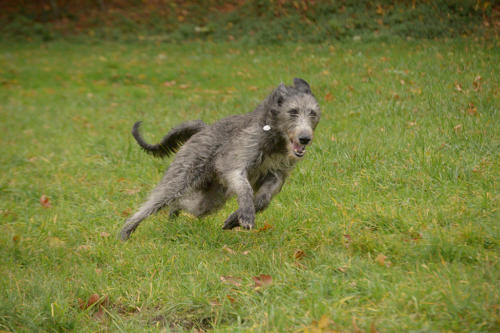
column 302, row 86
column 279, row 94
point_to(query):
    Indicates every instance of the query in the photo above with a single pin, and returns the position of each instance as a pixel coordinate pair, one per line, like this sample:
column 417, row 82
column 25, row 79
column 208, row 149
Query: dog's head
column 294, row 113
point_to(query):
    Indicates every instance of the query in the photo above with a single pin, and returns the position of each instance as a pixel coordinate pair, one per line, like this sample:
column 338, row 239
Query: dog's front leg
column 272, row 184
column 239, row 184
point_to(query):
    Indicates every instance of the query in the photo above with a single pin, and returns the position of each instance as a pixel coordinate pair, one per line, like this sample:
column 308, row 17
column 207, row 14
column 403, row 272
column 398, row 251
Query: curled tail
column 170, row 142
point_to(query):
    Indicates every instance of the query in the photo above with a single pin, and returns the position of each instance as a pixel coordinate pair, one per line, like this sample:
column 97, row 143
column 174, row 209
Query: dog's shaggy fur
column 247, row 155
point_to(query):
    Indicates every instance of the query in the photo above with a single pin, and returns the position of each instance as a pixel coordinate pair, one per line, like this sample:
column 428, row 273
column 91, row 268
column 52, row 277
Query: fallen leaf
column 132, row 191
column 56, row 242
column 299, row 254
column 457, row 128
column 45, row 201
column 328, row 97
column 228, row 249
column 355, row 328
column 458, row 87
column 324, row 322
column 231, row 299
column 382, row 260
column 472, row 109
column 93, row 299
column 347, row 240
column 476, row 84
column 214, row 302
column 252, row 88
column 245, row 253
column 184, row 86
column 262, row 280
column 169, row 83
column 126, row 212
column 105, row 234
column 84, row 247
column 227, row 279
column 16, row 239
column 380, row 10
column 265, row 227
column 342, row 269
column 99, row 315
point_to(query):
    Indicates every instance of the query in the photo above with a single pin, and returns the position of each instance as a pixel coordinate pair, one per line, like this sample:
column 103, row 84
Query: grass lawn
column 390, row 223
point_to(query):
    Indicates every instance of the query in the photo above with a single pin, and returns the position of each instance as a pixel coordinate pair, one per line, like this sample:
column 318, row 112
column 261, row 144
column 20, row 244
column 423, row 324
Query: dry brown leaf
column 184, row 86
column 228, row 249
column 214, row 302
column 457, row 128
column 231, row 299
column 169, row 83
column 262, row 280
column 347, row 240
column 132, row 191
column 45, row 201
column 265, row 227
column 93, row 301
column 94, row 298
column 355, row 328
column 84, row 247
column 56, row 242
column 458, row 87
column 472, row 109
column 328, row 97
column 233, row 280
column 299, row 254
column 476, row 84
column 126, row 212
column 105, row 234
column 324, row 322
column 382, row 260
column 342, row 269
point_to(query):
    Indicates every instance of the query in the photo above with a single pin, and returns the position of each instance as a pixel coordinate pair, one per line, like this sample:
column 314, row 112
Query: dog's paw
column 231, row 222
column 124, row 234
column 247, row 220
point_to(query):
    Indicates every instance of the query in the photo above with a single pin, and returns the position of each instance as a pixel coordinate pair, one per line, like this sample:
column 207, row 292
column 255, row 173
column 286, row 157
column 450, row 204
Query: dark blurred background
column 262, row 21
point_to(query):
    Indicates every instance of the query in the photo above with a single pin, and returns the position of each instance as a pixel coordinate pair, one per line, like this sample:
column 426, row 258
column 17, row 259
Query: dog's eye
column 293, row 112
column 312, row 114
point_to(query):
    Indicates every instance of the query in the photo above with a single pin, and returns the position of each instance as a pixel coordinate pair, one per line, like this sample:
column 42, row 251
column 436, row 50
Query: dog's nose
column 305, row 139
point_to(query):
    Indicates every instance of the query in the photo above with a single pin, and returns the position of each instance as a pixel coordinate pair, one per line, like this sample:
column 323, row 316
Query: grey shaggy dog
column 247, row 155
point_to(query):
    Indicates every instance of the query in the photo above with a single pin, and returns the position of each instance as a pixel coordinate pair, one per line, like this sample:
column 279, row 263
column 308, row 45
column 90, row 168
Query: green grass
column 405, row 164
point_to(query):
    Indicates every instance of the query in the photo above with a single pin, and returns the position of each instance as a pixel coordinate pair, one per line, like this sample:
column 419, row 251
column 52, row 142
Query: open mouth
column 298, row 149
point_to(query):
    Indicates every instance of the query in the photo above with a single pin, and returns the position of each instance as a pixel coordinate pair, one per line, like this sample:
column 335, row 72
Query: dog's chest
column 270, row 163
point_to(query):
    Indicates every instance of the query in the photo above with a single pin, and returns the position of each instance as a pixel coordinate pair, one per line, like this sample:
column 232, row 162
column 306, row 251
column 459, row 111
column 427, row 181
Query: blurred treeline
column 263, row 21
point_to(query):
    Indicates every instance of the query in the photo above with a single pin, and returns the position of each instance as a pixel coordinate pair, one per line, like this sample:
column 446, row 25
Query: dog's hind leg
column 170, row 189
column 177, row 181
column 156, row 201
column 270, row 186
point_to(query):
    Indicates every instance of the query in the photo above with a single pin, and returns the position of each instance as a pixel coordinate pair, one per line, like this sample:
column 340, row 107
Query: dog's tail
column 170, row 142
